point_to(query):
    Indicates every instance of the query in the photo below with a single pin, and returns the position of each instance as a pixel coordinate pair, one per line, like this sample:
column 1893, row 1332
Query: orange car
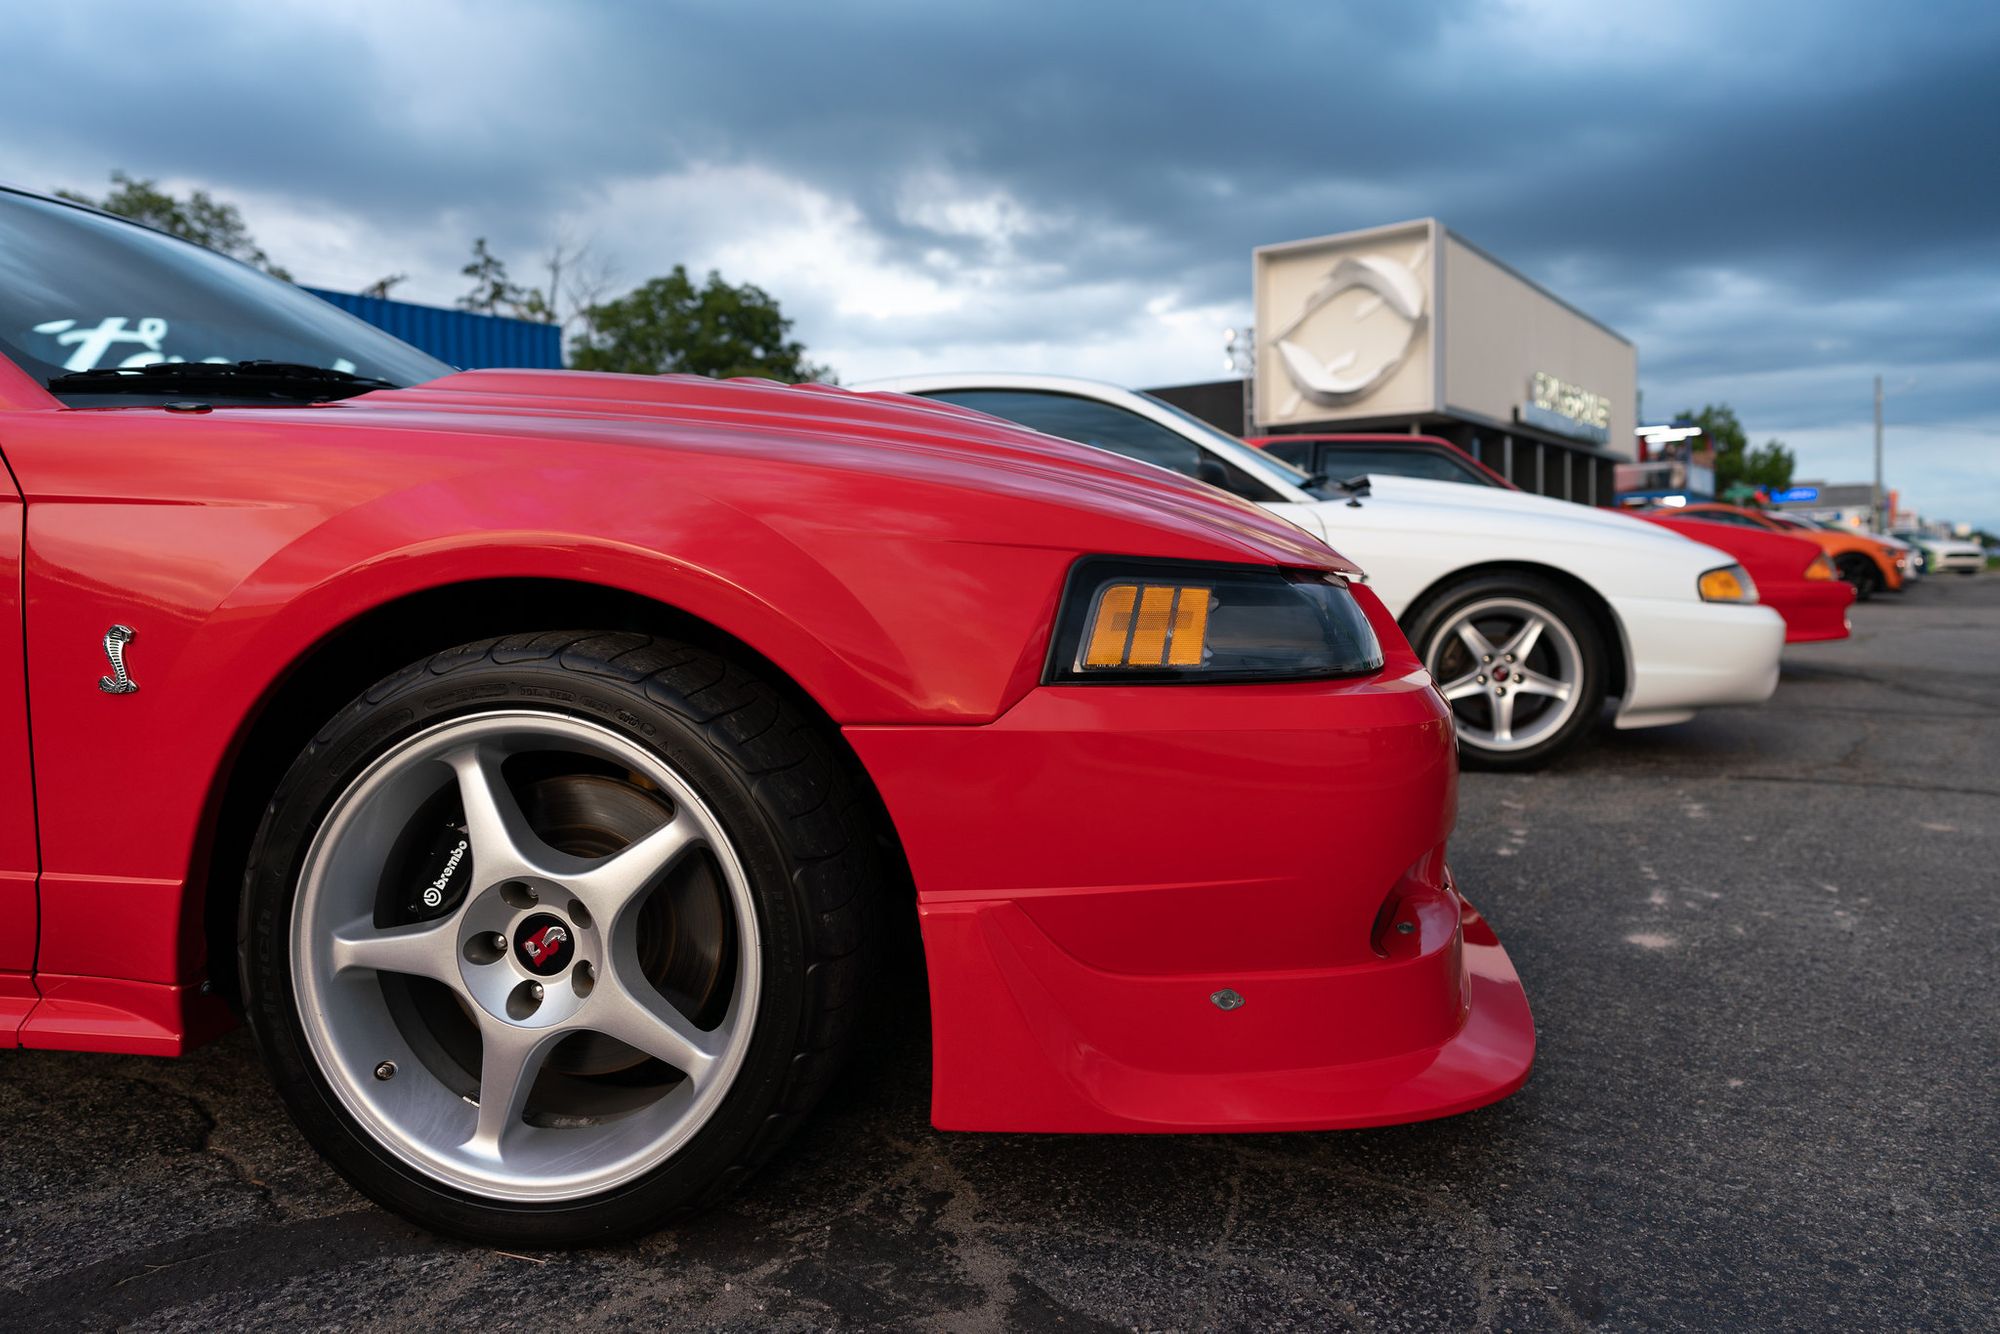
column 1862, row 561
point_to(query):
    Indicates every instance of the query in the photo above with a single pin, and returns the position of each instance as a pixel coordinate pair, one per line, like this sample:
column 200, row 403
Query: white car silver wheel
column 1511, row 671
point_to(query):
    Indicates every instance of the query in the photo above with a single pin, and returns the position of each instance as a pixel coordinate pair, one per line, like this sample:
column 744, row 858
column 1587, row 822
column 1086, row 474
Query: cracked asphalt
column 1761, row 949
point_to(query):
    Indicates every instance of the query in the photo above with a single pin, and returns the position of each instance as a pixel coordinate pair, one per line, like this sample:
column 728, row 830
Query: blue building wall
column 458, row 337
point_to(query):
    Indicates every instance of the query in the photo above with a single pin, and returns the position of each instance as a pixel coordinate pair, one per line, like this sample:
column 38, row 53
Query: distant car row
column 1938, row 555
column 1870, row 562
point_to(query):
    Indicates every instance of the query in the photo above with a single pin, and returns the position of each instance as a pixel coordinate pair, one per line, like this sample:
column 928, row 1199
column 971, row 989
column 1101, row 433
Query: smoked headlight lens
column 1731, row 583
column 1124, row 620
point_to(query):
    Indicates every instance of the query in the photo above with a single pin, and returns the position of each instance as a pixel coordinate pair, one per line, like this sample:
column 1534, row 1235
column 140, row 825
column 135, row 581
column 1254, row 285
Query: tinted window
column 1089, row 422
column 1344, row 461
column 80, row 291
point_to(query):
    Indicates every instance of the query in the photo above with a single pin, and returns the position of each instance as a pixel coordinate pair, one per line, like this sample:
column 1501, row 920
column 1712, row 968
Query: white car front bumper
column 1682, row 656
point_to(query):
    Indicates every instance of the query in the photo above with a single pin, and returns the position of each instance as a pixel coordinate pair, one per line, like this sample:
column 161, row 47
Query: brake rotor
column 682, row 929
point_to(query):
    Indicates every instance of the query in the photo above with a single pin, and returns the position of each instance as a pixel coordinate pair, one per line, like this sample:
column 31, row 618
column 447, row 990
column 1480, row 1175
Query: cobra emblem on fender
column 115, row 640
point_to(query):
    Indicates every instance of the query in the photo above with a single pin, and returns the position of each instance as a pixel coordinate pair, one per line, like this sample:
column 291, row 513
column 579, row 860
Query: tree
column 493, row 294
column 380, row 287
column 200, row 218
column 718, row 329
column 1768, row 467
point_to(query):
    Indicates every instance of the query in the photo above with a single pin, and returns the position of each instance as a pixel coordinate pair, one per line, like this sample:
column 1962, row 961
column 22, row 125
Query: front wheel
column 1521, row 664
column 1861, row 572
column 551, row 938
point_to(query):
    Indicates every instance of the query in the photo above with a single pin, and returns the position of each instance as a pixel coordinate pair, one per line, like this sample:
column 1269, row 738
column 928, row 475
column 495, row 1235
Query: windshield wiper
column 238, row 379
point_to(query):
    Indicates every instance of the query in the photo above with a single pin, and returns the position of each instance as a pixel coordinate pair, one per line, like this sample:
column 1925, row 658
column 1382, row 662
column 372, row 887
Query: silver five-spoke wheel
column 1510, row 671
column 575, row 1002
column 1521, row 662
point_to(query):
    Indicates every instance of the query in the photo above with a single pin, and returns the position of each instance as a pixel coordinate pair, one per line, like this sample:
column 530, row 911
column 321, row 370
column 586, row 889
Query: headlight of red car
column 1731, row 583
column 1124, row 620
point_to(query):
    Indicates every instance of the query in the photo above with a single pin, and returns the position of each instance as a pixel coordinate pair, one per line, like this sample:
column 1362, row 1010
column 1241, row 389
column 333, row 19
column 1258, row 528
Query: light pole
column 1881, row 524
column 1239, row 357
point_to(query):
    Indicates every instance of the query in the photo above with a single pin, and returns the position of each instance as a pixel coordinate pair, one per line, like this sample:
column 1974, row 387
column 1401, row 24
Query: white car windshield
column 1246, row 456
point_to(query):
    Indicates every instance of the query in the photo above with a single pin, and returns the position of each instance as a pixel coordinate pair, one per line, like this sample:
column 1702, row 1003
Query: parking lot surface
column 1761, row 949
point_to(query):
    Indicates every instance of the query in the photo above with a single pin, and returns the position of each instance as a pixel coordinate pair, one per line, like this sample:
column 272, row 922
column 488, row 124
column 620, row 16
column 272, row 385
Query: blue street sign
column 1795, row 495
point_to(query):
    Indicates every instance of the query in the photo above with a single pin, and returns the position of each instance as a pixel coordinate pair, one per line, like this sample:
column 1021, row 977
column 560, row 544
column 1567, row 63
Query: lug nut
column 535, row 990
column 386, row 1070
column 500, row 941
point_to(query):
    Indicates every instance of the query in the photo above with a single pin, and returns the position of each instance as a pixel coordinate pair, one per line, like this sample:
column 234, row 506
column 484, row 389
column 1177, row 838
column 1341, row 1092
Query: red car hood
column 1771, row 558
column 891, row 434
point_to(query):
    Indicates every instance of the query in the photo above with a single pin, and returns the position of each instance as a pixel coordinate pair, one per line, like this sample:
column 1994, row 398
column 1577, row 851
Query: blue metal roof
column 458, row 337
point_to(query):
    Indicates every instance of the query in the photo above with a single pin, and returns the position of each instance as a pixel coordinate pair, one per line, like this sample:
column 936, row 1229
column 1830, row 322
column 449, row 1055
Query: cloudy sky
column 1774, row 201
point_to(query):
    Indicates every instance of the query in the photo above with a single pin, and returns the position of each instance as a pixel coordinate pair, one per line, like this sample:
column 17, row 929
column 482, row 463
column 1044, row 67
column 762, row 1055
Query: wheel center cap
column 1501, row 673
column 545, row 944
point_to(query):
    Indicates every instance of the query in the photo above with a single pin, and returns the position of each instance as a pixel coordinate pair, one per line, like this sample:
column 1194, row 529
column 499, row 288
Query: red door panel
column 19, row 923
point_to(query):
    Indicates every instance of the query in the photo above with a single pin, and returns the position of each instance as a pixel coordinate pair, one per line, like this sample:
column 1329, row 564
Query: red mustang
column 1793, row 575
column 536, row 759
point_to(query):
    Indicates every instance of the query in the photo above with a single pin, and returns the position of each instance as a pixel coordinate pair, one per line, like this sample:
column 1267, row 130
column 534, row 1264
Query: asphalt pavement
column 1761, row 948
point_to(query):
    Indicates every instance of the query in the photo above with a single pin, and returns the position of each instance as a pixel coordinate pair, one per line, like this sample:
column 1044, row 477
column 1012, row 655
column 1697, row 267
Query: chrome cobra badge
column 115, row 640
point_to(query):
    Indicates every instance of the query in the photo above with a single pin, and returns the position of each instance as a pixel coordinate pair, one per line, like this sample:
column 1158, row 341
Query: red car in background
column 1793, row 574
column 1858, row 558
column 1345, row 456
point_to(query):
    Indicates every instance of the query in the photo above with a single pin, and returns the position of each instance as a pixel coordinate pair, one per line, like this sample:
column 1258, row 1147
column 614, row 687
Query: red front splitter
column 1099, row 864
column 1055, row 1049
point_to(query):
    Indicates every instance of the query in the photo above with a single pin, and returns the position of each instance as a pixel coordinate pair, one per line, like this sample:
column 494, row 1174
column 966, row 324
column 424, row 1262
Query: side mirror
column 1208, row 470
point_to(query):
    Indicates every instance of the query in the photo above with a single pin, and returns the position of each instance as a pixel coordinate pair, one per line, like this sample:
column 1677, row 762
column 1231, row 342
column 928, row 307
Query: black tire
column 802, row 829
column 1429, row 622
column 1858, row 570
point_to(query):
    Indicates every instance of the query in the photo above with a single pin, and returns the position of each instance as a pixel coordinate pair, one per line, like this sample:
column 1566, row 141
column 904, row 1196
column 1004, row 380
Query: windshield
column 81, row 292
column 1247, row 456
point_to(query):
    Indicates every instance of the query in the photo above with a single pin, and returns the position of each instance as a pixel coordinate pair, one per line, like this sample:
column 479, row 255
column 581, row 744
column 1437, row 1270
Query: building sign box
column 1567, row 409
column 1407, row 321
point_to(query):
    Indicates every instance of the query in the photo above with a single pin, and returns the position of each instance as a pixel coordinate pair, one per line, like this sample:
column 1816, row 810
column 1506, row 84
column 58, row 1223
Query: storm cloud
column 1775, row 202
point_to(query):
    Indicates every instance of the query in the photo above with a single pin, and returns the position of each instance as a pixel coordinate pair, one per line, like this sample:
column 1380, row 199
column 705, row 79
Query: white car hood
column 1462, row 496
column 1407, row 533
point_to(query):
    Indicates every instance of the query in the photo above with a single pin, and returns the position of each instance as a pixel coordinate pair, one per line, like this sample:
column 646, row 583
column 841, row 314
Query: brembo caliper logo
column 434, row 891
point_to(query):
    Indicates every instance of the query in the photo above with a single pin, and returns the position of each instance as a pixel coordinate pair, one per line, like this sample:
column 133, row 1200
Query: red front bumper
column 1096, row 865
column 1813, row 609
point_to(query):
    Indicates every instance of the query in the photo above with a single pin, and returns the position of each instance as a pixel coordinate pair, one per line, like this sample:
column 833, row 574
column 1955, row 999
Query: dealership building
column 1412, row 329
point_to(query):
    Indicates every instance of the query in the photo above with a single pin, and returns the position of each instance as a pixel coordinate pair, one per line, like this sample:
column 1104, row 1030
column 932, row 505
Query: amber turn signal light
column 1128, row 620
column 1731, row 583
column 1821, row 568
column 1149, row 625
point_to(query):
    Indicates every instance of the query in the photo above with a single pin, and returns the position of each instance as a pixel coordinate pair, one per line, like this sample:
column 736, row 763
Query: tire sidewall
column 355, row 739
column 1429, row 622
column 1861, row 573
